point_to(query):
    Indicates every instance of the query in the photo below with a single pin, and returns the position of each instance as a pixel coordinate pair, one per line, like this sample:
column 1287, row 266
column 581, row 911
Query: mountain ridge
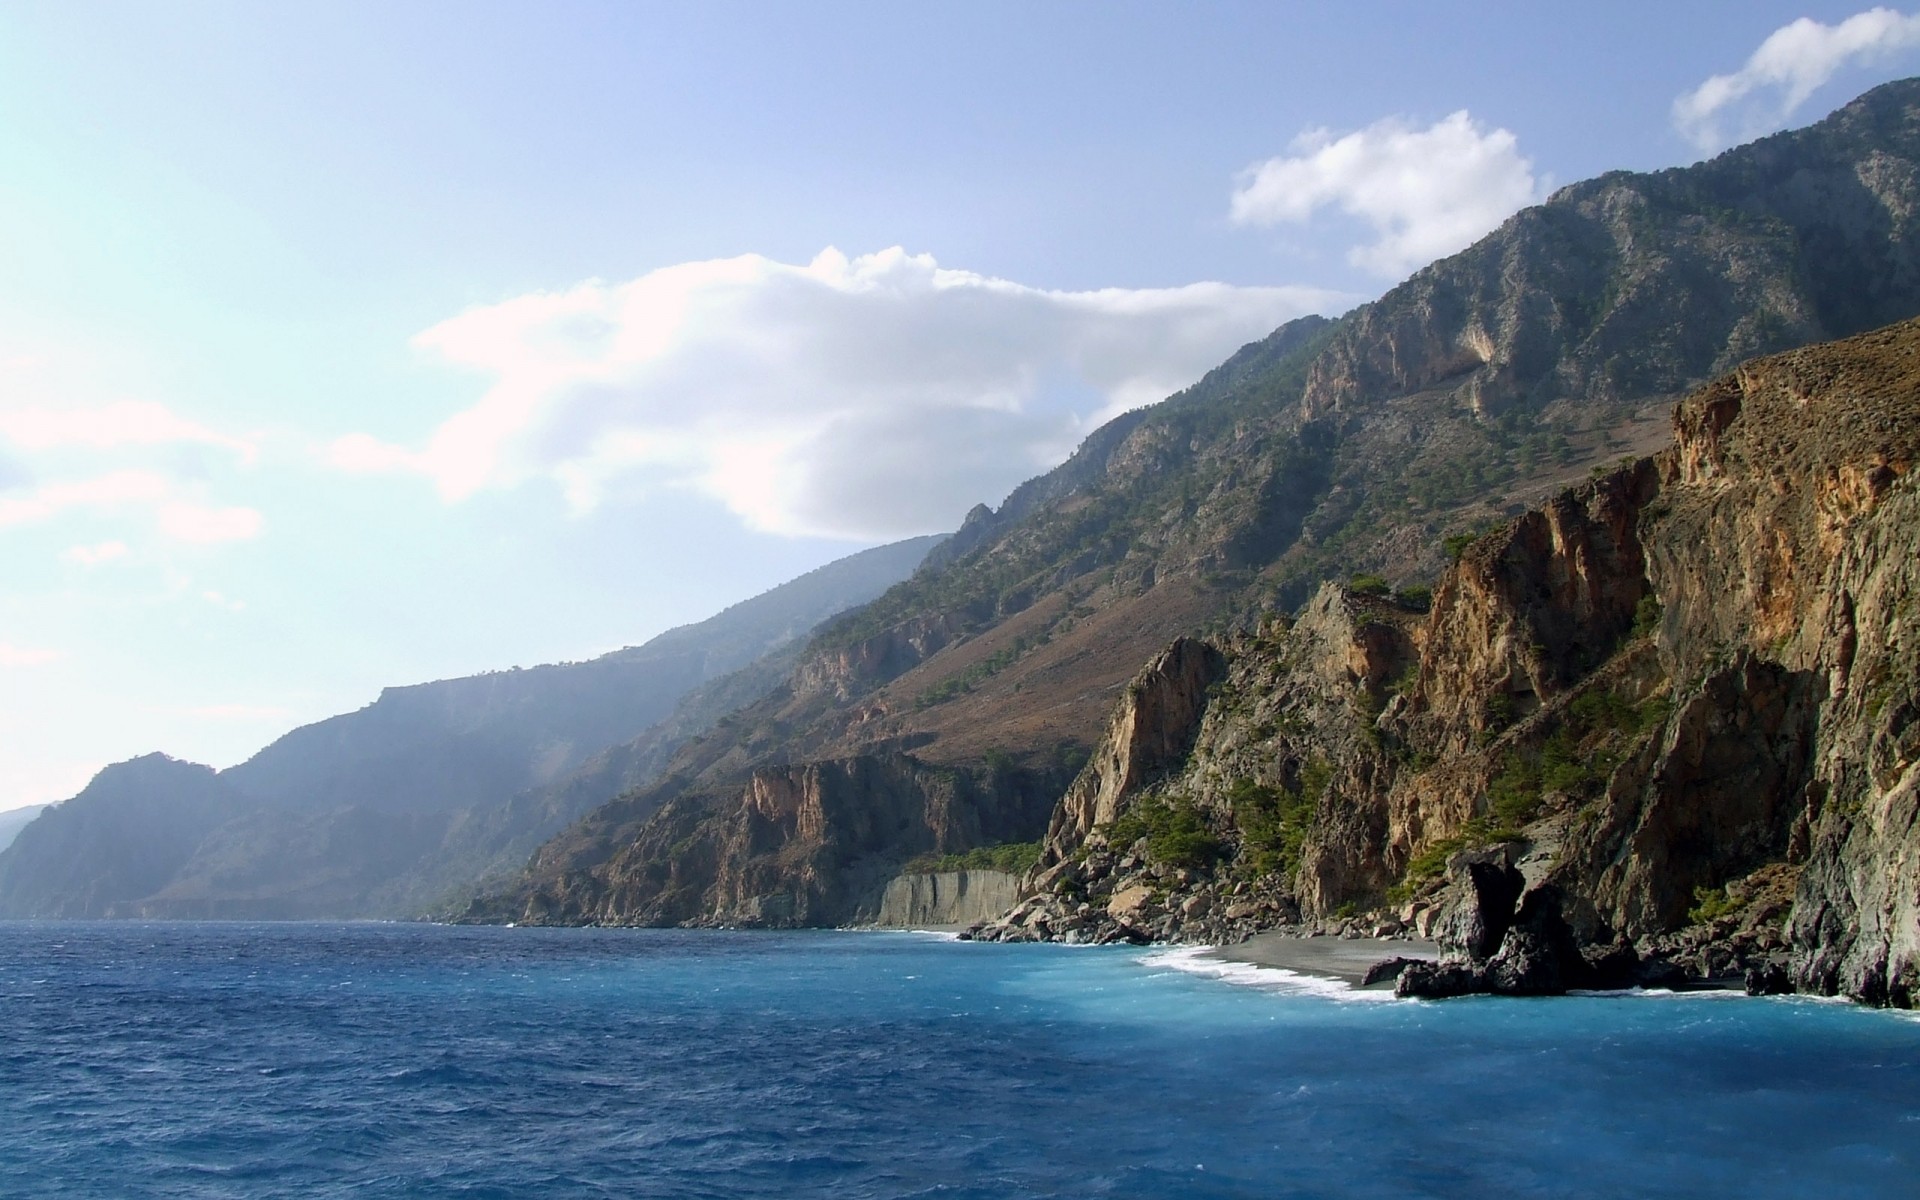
column 421, row 793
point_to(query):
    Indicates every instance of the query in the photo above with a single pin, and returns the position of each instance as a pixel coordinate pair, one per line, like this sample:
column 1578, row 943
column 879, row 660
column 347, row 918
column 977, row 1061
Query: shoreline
column 1345, row 960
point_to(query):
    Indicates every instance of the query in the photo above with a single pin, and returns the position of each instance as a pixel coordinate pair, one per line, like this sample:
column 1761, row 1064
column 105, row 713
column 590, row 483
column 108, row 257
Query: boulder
column 1440, row 980
column 1130, row 902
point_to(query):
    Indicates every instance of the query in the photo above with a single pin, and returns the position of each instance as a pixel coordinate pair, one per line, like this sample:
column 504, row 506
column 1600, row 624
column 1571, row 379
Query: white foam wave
column 1200, row 960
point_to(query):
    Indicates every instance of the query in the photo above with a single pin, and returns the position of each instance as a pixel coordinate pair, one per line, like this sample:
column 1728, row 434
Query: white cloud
column 1794, row 61
column 123, row 423
column 1426, row 192
column 175, row 513
column 21, row 656
column 113, row 490
column 94, row 555
column 218, row 600
column 867, row 397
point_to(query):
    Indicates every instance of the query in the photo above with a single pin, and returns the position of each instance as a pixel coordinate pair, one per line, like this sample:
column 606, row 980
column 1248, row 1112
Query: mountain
column 1371, row 447
column 14, row 820
column 423, row 792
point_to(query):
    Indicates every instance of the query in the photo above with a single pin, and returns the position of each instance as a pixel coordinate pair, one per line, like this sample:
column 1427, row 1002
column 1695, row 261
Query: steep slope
column 13, row 821
column 432, row 787
column 1665, row 726
column 450, row 744
column 1487, row 381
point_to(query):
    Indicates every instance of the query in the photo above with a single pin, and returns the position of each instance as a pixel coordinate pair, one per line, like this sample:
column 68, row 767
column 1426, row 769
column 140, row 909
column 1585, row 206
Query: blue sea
column 366, row 1060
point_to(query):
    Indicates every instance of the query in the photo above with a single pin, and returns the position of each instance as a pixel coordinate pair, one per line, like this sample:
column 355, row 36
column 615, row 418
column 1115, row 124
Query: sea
column 391, row 1060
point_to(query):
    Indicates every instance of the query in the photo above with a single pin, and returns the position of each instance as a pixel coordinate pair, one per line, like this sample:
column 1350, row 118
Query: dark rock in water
column 1769, row 979
column 1528, row 965
column 1391, row 968
column 1611, row 966
column 1662, row 973
column 1440, row 980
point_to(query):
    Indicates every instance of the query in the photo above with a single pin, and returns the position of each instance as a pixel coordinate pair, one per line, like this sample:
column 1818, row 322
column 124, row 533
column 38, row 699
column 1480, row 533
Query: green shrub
column 1456, row 544
column 1368, row 585
column 1012, row 857
column 1646, row 615
column 1177, row 835
column 1500, row 711
column 1425, row 866
column 1710, row 904
column 1273, row 826
column 1417, row 596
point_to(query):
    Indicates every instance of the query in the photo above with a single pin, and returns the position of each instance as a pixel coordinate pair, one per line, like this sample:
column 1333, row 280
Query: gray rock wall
column 946, row 898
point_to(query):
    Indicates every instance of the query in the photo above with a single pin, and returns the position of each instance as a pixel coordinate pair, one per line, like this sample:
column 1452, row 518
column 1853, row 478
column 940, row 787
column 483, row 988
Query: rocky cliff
column 1478, row 390
column 807, row 844
column 1662, row 727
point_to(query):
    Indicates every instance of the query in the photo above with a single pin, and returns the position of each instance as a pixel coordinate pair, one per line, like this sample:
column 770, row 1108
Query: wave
column 1203, row 961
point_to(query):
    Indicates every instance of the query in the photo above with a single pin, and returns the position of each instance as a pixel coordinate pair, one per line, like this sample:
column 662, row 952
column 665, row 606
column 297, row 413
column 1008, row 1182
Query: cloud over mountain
column 1426, row 192
column 1788, row 67
column 865, row 397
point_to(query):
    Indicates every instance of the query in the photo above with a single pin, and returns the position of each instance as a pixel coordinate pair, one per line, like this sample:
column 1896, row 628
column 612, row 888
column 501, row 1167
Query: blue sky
column 363, row 344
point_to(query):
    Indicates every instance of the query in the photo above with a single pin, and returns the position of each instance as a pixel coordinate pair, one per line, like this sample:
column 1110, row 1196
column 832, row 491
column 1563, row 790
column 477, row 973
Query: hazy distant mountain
column 12, row 822
column 122, row 837
column 376, row 811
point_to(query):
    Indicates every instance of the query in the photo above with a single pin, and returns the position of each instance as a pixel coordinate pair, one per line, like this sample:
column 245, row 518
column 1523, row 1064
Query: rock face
column 946, row 898
column 425, row 792
column 1151, row 732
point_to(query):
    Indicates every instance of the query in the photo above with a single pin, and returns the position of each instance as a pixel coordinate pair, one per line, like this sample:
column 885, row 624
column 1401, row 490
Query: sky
column 361, row 344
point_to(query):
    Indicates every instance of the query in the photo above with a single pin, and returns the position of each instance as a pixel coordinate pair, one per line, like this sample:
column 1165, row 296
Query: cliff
column 801, row 845
column 1662, row 727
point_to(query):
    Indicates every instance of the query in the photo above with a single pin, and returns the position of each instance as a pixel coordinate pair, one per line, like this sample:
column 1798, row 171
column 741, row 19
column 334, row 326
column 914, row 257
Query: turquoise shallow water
column 382, row 1060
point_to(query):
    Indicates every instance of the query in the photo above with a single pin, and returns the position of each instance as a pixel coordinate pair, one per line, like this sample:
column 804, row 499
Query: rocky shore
column 1497, row 927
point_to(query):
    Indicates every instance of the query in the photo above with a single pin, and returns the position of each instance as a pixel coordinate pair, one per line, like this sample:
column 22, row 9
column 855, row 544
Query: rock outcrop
column 1152, row 730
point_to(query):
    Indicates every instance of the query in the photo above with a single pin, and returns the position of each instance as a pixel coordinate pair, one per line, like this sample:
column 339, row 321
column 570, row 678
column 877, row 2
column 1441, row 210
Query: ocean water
column 236, row 1060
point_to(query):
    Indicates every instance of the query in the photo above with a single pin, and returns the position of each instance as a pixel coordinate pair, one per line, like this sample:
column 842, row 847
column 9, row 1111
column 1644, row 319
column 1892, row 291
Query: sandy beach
column 1345, row 959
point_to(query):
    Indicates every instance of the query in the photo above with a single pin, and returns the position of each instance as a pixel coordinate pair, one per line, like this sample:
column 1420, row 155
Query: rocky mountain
column 1665, row 727
column 1368, row 448
column 426, row 791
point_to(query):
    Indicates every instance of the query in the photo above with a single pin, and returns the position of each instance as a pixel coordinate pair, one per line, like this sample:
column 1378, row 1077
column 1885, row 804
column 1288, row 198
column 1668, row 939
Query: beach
column 1344, row 959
